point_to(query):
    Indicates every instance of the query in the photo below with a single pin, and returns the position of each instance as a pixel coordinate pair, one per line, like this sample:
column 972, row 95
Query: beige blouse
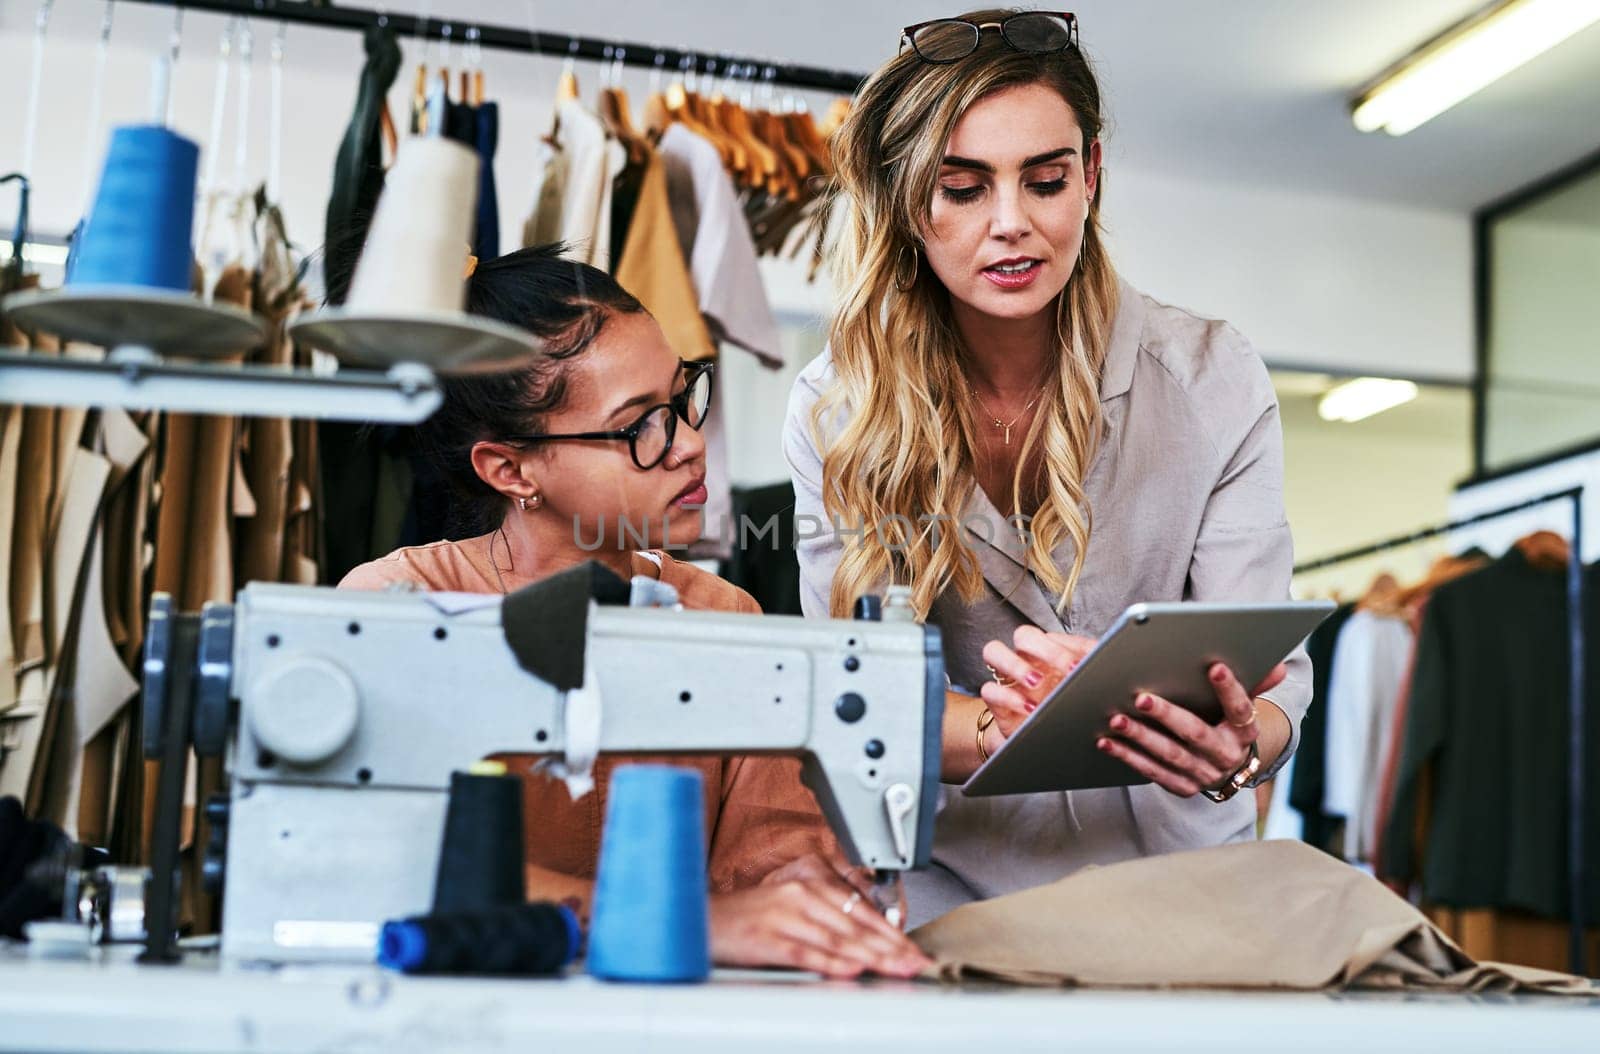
column 1186, row 492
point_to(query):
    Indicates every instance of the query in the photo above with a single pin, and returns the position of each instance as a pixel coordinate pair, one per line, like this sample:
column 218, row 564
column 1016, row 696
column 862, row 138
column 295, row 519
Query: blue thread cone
column 650, row 912
column 139, row 231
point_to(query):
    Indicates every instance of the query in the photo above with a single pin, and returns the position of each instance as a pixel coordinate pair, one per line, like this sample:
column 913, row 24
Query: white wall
column 1313, row 280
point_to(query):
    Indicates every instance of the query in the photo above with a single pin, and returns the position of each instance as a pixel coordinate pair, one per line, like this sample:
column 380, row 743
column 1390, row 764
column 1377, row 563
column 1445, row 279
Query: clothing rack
column 328, row 15
column 1576, row 800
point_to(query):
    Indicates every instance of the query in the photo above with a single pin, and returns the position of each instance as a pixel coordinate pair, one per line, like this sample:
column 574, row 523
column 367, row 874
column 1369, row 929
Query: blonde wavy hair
column 906, row 450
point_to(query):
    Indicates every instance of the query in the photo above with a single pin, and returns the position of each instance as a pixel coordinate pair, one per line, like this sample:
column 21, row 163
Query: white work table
column 115, row 1005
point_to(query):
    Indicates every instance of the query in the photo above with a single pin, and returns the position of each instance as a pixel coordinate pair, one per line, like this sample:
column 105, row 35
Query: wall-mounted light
column 1361, row 398
column 1467, row 57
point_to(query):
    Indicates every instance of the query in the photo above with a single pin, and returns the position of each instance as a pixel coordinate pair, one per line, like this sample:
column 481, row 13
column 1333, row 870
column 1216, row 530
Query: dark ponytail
column 565, row 304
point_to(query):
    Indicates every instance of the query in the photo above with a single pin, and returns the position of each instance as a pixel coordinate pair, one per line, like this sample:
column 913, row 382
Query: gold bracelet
column 985, row 719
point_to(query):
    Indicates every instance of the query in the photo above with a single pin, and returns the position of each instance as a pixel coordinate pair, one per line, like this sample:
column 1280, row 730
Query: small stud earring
column 532, row 503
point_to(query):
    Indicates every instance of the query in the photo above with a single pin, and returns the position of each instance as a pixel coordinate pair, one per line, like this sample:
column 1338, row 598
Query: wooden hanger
column 809, row 138
column 567, row 87
column 1546, row 550
column 713, row 114
column 762, row 161
column 613, row 113
column 419, row 101
column 477, row 88
column 1382, row 595
column 836, row 115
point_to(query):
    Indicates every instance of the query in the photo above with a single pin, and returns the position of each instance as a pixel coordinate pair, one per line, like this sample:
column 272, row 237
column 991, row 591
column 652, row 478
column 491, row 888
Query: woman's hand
column 1171, row 746
column 1182, row 753
column 1026, row 673
column 810, row 914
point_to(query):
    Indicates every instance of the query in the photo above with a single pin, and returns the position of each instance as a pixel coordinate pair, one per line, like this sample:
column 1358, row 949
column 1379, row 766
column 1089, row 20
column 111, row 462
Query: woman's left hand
column 1181, row 752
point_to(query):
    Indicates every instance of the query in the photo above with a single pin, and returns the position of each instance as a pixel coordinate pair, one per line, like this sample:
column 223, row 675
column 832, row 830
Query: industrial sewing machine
column 342, row 714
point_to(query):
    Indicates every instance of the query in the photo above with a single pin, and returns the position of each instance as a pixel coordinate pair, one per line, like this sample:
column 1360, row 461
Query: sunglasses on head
column 946, row 40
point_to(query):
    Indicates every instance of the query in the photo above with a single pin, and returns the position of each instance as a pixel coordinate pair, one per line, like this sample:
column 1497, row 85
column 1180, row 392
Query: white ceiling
column 1247, row 91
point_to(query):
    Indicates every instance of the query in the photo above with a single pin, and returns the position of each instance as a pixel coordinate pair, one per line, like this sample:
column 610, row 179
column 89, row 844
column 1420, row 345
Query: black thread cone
column 480, row 860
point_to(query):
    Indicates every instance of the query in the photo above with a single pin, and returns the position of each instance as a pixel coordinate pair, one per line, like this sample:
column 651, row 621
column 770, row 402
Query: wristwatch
column 1238, row 780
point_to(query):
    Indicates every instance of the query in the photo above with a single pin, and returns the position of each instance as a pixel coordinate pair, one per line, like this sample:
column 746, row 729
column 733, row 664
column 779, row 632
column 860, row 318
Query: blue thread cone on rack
column 140, row 229
column 650, row 911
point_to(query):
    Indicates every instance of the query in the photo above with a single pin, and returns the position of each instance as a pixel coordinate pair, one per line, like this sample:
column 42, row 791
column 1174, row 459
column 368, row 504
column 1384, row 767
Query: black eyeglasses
column 651, row 435
column 947, row 40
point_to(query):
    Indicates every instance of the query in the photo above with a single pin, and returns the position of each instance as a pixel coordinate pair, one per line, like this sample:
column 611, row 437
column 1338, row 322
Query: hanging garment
column 727, row 283
column 358, row 169
column 267, row 443
column 1369, row 669
column 652, row 268
column 764, row 563
column 486, row 234
column 586, row 162
column 43, row 730
column 10, row 444
column 1308, row 787
column 351, row 455
column 1199, row 919
column 625, row 190
column 1486, row 742
column 722, row 258
column 551, row 167
column 1415, row 604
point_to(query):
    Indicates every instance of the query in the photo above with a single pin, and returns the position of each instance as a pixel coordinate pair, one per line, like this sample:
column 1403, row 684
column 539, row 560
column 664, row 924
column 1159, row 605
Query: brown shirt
column 758, row 814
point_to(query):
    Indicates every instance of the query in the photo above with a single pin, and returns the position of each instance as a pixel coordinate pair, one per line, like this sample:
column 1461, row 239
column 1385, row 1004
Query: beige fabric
column 48, row 689
column 1260, row 915
column 543, row 225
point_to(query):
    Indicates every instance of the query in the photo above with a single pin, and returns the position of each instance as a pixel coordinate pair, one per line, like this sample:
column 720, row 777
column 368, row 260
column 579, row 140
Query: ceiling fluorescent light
column 1466, row 58
column 1361, row 398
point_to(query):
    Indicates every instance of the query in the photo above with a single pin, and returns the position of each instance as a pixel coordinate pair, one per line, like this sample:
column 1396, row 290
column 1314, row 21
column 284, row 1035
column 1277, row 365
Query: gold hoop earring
column 904, row 285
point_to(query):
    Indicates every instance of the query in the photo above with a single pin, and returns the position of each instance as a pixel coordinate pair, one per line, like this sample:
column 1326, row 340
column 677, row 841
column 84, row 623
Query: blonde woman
column 1032, row 445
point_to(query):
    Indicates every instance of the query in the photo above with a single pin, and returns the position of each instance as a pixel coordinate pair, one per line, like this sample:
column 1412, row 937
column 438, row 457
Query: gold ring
column 1246, row 724
column 850, row 904
column 1002, row 681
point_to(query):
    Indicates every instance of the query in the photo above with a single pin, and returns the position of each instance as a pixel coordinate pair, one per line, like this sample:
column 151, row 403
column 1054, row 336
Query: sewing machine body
column 352, row 709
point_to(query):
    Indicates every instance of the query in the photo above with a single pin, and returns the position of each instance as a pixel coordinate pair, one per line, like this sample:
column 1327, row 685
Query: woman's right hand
column 807, row 916
column 1028, row 671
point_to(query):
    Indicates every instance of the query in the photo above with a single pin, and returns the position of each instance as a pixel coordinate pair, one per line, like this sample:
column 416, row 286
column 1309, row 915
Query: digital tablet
column 1163, row 649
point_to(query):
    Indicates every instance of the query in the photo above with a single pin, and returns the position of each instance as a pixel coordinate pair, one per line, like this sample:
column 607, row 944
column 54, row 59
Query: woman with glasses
column 593, row 452
column 1032, row 445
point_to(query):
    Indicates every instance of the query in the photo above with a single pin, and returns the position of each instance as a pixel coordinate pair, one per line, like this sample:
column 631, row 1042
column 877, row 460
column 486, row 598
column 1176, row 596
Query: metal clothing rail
column 1576, row 799
column 327, row 15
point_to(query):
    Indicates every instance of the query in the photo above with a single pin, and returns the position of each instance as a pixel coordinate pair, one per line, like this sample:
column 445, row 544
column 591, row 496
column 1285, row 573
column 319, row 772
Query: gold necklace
column 1005, row 426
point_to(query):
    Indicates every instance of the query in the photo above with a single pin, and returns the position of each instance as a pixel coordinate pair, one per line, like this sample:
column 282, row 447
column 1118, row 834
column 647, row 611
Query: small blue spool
column 650, row 910
column 140, row 230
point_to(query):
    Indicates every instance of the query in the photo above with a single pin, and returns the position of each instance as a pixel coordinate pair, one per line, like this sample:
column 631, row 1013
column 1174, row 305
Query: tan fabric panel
column 10, row 446
column 654, row 270
column 1274, row 914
